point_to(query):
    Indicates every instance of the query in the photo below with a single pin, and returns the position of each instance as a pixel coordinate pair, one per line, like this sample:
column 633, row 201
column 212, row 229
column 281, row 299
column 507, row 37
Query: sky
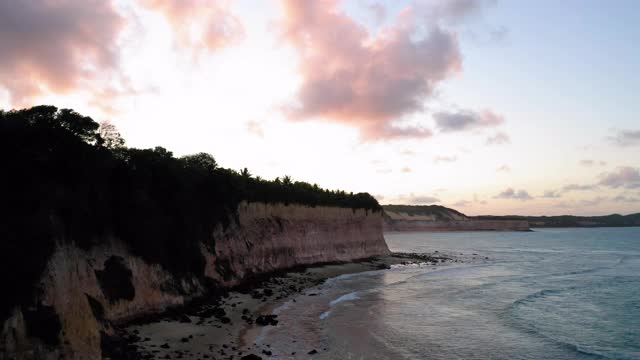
column 486, row 106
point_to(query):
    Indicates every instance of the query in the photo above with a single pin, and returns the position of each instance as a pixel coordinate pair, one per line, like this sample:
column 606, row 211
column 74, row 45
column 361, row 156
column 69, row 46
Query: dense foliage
column 68, row 179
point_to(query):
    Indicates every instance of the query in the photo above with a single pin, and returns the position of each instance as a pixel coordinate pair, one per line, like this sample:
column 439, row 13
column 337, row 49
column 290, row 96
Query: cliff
column 83, row 291
column 440, row 218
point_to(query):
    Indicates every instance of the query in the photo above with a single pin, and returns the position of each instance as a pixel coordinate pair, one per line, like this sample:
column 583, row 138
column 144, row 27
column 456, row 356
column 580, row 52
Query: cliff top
column 422, row 212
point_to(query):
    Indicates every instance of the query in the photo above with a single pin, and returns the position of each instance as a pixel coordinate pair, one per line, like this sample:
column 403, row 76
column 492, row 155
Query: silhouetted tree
column 245, row 173
column 286, row 180
column 109, row 136
column 201, row 160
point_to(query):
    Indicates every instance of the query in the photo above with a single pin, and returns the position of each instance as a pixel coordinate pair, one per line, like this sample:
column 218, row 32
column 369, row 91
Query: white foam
column 346, row 297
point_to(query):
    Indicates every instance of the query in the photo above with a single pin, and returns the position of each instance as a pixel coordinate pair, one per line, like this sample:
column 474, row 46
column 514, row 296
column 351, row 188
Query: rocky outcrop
column 82, row 292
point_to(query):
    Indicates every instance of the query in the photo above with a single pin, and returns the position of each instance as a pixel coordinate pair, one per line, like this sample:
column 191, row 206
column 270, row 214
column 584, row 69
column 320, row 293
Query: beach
column 228, row 325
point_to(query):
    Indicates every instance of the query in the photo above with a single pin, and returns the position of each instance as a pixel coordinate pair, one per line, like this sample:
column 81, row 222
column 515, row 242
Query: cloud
column 423, row 199
column 466, row 120
column 56, row 46
column 391, row 132
column 446, row 159
column 361, row 79
column 504, row 168
column 476, row 199
column 576, row 187
column 626, row 138
column 254, row 127
column 624, row 177
column 550, row 194
column 499, row 138
column 199, row 24
column 416, row 199
column 590, row 163
column 626, row 199
column 510, row 193
column 593, row 202
column 452, row 11
column 462, row 203
column 378, row 11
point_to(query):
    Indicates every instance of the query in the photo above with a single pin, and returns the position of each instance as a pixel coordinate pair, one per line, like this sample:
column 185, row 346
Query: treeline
column 69, row 179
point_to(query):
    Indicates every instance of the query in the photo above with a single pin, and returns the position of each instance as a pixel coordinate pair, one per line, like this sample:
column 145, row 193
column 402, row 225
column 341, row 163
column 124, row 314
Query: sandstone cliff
column 439, row 218
column 82, row 292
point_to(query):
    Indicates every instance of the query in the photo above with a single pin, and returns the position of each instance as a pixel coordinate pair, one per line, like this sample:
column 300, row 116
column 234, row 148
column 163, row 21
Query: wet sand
column 226, row 326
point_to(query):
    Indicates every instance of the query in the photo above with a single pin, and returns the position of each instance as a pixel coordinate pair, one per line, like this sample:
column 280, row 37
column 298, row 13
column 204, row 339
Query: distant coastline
column 440, row 218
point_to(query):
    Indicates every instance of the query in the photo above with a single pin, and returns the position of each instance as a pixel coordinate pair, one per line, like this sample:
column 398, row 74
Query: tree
column 109, row 136
column 286, row 180
column 201, row 160
column 245, row 173
column 82, row 126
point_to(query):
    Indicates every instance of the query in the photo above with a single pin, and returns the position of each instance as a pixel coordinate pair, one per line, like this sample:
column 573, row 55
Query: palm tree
column 286, row 180
column 245, row 173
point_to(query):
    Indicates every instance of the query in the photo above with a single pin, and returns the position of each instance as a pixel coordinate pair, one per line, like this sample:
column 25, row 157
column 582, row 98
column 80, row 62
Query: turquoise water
column 547, row 294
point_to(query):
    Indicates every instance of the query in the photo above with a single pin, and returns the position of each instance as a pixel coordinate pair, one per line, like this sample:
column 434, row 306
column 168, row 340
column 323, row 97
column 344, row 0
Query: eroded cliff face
column 270, row 237
column 81, row 293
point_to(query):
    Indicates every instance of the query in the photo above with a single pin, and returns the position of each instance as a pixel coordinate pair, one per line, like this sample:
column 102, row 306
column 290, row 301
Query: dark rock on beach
column 264, row 320
column 251, row 357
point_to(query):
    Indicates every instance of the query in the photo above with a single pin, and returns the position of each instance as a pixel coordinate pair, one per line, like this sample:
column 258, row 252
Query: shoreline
column 227, row 326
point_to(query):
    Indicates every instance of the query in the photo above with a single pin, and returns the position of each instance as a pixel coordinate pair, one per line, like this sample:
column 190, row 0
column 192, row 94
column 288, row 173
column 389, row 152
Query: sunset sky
column 490, row 107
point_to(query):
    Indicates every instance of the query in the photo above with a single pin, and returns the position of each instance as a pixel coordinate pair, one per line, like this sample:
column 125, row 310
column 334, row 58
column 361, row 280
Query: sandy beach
column 226, row 326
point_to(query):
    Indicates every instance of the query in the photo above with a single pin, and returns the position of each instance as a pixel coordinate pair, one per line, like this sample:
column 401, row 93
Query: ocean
column 546, row 294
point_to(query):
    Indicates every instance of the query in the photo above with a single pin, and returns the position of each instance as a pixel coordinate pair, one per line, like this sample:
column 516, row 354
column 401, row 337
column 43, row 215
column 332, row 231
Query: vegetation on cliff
column 70, row 179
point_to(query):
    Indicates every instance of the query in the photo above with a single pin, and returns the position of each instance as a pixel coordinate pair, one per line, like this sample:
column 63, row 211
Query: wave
column 347, row 297
column 565, row 338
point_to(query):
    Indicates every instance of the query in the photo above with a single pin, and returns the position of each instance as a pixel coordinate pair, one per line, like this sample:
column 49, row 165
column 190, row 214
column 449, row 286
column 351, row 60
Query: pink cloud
column 199, row 24
column 363, row 80
column 254, row 127
column 56, row 46
column 626, row 177
column 499, row 138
